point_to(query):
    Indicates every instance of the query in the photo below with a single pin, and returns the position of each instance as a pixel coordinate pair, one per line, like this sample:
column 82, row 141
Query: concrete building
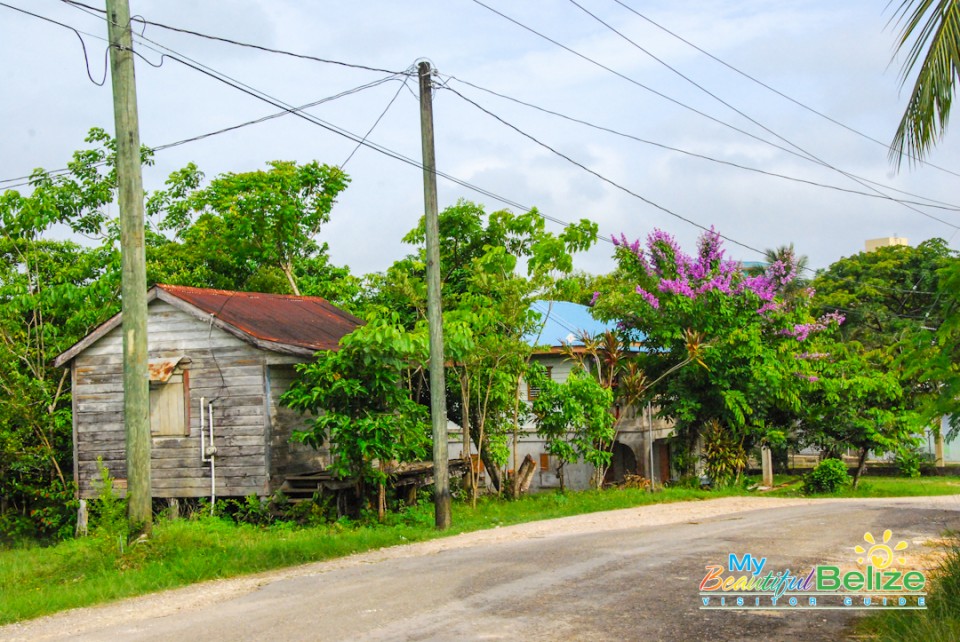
column 563, row 322
column 871, row 245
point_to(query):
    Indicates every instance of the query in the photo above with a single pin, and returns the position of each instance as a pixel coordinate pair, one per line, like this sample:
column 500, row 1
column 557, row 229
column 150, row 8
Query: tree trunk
column 861, row 467
column 288, row 272
column 492, row 468
column 563, row 486
column 516, row 433
column 465, row 427
column 524, row 476
column 381, row 502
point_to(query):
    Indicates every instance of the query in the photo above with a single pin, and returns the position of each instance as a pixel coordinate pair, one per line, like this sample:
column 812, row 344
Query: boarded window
column 533, row 391
column 544, row 462
column 168, row 406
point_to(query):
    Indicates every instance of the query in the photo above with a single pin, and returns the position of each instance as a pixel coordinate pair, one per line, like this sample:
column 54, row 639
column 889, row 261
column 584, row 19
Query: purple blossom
column 803, row 330
column 593, row 299
column 677, row 286
column 807, row 377
column 770, row 306
column 708, row 270
column 832, row 317
column 634, row 248
column 649, row 298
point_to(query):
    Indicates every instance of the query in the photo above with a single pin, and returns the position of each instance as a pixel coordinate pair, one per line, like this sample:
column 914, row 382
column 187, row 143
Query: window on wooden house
column 544, row 462
column 534, row 391
column 169, row 398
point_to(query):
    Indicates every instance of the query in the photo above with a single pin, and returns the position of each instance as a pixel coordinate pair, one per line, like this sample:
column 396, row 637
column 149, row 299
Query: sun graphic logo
column 880, row 555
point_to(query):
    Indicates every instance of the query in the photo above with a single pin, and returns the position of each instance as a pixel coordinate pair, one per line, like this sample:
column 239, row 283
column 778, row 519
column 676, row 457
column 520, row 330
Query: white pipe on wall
column 203, row 450
column 213, row 465
column 208, row 455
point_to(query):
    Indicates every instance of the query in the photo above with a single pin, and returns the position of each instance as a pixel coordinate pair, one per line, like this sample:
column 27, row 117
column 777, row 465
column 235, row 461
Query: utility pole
column 136, row 384
column 438, row 400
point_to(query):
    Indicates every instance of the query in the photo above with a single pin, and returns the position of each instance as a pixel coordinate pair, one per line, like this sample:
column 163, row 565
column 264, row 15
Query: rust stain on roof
column 303, row 321
column 161, row 369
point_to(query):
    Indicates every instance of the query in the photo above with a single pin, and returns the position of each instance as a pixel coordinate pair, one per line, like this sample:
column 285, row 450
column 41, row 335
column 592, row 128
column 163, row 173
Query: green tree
column 574, row 419
column 854, row 403
column 929, row 31
column 253, row 222
column 362, row 400
column 887, row 296
column 746, row 335
column 934, row 356
column 894, row 300
column 51, row 294
column 493, row 267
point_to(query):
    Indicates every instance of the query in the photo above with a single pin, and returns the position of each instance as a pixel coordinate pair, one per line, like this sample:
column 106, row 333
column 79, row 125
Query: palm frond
column 930, row 31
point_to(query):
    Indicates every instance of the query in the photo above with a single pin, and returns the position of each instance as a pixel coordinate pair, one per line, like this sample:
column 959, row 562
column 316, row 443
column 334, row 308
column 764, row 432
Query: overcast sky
column 833, row 57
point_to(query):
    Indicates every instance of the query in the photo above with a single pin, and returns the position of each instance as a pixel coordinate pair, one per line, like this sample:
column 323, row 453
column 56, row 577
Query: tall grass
column 101, row 568
column 940, row 622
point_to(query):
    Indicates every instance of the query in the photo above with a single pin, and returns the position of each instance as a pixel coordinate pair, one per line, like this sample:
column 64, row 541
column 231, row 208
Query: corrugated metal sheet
column 303, row 321
column 161, row 369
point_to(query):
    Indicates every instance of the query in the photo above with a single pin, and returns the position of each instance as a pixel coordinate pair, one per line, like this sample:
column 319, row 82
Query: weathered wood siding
column 288, row 457
column 222, row 368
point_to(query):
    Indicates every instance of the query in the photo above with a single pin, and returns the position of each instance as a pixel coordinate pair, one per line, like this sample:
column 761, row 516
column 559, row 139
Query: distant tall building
column 887, row 241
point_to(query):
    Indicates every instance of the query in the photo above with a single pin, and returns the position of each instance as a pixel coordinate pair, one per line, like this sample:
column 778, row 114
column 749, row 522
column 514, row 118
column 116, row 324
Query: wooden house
column 218, row 360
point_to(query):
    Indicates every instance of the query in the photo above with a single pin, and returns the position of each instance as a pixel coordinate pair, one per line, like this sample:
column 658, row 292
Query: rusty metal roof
column 306, row 322
column 299, row 325
column 160, row 370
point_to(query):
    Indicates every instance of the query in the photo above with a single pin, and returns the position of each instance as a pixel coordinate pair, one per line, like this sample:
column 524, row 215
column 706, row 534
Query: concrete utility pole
column 136, row 384
column 438, row 400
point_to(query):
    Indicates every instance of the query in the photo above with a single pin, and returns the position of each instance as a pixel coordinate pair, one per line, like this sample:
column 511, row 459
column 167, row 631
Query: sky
column 836, row 58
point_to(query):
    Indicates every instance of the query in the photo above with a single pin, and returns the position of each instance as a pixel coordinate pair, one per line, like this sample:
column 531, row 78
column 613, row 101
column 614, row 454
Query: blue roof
column 564, row 322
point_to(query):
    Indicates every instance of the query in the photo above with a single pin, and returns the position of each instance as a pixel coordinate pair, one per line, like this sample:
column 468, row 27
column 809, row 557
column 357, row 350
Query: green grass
column 871, row 486
column 939, row 623
column 38, row 581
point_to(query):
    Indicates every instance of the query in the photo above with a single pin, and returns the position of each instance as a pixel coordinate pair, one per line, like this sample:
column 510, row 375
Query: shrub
column 108, row 512
column 909, row 462
column 723, row 456
column 829, row 476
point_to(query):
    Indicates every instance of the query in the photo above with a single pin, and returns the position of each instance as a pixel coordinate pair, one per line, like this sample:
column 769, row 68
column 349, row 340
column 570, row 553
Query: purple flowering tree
column 751, row 384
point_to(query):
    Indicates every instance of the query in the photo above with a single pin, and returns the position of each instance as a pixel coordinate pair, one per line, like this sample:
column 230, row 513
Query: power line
column 609, row 181
column 83, row 43
column 237, row 43
column 288, row 109
column 806, row 155
column 223, row 78
column 376, row 122
column 931, row 202
column 775, row 90
column 26, row 180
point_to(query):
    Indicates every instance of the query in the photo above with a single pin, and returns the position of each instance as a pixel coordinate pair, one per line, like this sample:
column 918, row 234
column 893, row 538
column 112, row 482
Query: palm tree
column 929, row 30
column 788, row 256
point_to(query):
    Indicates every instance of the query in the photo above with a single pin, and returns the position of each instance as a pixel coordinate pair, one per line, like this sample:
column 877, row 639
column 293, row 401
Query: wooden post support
column 766, row 464
column 939, row 460
column 136, row 384
column 650, row 445
column 438, row 401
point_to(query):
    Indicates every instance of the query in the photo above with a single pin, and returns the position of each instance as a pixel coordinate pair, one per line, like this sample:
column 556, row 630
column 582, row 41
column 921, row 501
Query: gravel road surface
column 630, row 574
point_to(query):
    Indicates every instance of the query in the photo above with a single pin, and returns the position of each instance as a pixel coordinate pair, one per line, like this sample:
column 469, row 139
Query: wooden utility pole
column 136, row 384
column 438, row 400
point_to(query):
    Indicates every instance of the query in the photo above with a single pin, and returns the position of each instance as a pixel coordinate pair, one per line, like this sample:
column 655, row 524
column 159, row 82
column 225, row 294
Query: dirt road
column 623, row 575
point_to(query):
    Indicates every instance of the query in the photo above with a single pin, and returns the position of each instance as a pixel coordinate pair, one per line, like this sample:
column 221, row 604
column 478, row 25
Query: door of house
column 663, row 460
